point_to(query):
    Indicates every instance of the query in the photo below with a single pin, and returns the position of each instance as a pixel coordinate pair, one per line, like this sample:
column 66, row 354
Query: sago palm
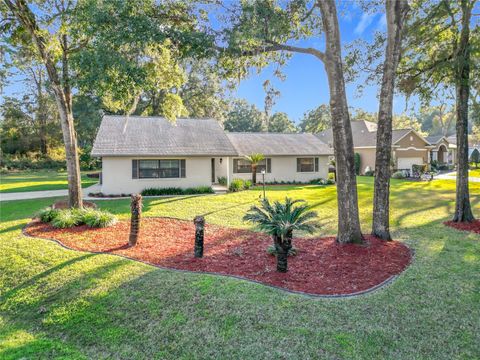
column 280, row 220
column 254, row 159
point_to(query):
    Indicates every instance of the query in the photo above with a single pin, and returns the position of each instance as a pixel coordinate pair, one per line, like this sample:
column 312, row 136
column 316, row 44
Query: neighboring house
column 445, row 149
column 408, row 147
column 142, row 152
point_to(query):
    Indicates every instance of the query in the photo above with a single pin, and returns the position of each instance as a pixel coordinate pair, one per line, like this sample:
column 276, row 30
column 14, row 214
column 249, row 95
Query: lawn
column 57, row 303
column 474, row 173
column 38, row 181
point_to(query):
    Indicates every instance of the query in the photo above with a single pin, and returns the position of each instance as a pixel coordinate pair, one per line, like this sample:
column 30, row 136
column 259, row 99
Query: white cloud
column 365, row 22
column 382, row 23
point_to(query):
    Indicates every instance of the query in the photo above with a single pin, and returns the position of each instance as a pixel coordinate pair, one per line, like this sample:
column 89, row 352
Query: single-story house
column 143, row 152
column 408, row 146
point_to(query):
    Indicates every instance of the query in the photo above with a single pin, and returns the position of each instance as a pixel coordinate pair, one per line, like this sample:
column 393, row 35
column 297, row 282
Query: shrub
column 48, row 214
column 357, row 161
column 398, row 175
column 419, row 169
column 236, row 185
column 98, row 218
column 222, row 180
column 177, row 191
column 331, row 176
column 247, row 184
column 66, row 218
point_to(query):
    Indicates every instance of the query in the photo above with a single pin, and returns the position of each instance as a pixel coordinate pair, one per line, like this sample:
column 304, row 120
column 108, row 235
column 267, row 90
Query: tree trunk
column 348, row 218
column 254, row 174
column 199, row 222
column 396, row 12
column 136, row 212
column 61, row 88
column 463, row 210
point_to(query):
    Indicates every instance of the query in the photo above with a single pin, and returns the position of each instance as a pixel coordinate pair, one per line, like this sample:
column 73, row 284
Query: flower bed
column 322, row 267
column 474, row 226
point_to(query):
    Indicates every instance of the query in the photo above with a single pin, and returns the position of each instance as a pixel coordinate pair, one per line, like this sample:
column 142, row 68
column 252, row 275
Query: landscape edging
column 379, row 286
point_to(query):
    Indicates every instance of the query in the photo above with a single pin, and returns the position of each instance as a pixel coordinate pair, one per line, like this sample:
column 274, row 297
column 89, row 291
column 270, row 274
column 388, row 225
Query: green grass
column 474, row 173
column 56, row 303
column 38, row 181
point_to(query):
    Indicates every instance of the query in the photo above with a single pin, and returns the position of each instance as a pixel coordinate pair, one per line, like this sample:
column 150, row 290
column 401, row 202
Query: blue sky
column 306, row 85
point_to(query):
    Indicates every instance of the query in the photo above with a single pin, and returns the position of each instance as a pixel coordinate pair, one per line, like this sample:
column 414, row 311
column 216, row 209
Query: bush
column 321, row 181
column 177, row 191
column 48, row 214
column 247, row 184
column 398, row 175
column 98, row 218
column 331, row 176
column 419, row 169
column 357, row 161
column 222, row 180
column 236, row 185
column 66, row 219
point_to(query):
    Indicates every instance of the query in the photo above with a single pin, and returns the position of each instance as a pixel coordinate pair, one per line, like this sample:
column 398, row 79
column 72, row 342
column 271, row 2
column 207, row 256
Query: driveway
column 44, row 194
column 452, row 176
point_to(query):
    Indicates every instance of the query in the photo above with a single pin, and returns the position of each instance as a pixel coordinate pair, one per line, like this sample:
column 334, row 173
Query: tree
column 254, row 160
column 280, row 123
column 438, row 54
column 396, row 12
column 280, row 220
column 244, row 117
column 55, row 50
column 316, row 120
column 261, row 31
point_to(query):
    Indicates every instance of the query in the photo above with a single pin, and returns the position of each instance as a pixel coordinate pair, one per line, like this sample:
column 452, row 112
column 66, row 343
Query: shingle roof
column 364, row 134
column 270, row 144
column 434, row 139
column 152, row 136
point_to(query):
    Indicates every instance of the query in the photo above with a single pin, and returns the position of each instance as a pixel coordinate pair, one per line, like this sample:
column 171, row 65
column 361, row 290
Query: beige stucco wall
column 117, row 175
column 367, row 158
column 284, row 168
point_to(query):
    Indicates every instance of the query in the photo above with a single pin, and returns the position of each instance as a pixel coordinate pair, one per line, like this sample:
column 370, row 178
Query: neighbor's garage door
column 407, row 162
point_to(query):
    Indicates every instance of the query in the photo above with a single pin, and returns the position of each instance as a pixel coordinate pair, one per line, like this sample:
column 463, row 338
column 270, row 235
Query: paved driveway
column 44, row 194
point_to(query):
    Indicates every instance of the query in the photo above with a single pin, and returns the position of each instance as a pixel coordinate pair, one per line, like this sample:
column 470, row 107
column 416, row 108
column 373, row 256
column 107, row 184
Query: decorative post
column 136, row 211
column 199, row 222
column 263, row 181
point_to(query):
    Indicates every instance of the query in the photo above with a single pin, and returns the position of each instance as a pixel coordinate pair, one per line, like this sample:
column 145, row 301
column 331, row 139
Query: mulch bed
column 473, row 226
column 322, row 267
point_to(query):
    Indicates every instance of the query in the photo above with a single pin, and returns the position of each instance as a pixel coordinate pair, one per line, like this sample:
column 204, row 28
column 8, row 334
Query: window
column 243, row 166
column 163, row 168
column 307, row 164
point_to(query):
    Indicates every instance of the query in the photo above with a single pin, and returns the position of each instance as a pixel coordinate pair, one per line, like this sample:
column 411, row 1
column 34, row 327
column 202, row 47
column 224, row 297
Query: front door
column 213, row 170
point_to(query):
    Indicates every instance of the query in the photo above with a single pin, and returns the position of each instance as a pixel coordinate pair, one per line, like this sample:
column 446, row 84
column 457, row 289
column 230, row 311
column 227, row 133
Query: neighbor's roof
column 270, row 144
column 364, row 134
column 152, row 136
column 435, row 139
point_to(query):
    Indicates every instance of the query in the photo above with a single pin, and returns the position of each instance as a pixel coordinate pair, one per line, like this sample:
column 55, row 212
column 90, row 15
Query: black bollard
column 199, row 222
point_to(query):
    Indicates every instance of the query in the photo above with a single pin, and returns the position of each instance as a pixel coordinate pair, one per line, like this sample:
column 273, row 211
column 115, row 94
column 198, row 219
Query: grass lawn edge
column 382, row 285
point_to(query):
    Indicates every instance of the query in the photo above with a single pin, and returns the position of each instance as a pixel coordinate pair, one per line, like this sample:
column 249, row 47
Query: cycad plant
column 254, row 159
column 280, row 220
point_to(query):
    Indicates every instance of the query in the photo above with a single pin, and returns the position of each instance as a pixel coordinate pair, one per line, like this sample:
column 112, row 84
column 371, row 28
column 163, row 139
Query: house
column 408, row 146
column 142, row 152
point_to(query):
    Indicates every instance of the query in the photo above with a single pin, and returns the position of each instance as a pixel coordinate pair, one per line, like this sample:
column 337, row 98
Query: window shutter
column 235, row 165
column 134, row 169
column 316, row 164
column 182, row 168
column 269, row 165
column 298, row 165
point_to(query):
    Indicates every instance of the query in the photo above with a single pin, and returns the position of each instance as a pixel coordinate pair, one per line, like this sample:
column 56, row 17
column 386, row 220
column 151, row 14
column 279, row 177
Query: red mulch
column 473, row 226
column 321, row 267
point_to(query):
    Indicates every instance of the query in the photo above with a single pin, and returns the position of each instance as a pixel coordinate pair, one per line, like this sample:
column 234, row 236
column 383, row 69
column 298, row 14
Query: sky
column 306, row 86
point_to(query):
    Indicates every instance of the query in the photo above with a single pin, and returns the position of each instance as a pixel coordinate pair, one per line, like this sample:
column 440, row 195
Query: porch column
column 228, row 171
